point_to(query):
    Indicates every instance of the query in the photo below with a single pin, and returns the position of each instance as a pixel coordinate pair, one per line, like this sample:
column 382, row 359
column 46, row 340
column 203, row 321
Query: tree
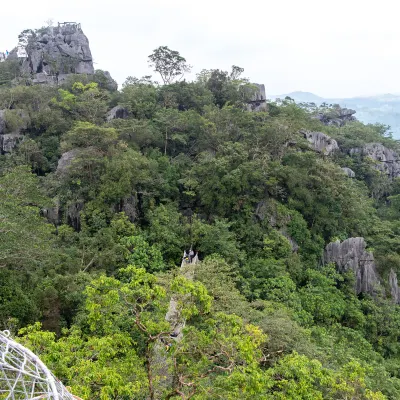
column 169, row 64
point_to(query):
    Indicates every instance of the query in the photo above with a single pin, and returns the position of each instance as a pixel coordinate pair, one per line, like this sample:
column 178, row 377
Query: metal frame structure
column 23, row 376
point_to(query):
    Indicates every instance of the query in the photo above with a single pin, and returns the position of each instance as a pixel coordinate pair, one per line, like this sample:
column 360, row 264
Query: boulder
column 66, row 160
column 349, row 172
column 118, row 112
column 387, row 160
column 351, row 254
column 320, row 142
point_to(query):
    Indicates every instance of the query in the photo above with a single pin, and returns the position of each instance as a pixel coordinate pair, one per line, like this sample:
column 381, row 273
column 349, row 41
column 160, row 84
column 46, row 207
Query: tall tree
column 169, row 64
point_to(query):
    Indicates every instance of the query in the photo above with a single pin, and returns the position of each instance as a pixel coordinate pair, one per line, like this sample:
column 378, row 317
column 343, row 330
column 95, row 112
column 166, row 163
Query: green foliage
column 190, row 166
column 169, row 64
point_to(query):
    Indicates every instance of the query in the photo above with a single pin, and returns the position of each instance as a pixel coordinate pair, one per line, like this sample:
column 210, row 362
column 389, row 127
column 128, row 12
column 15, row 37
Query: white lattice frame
column 24, row 373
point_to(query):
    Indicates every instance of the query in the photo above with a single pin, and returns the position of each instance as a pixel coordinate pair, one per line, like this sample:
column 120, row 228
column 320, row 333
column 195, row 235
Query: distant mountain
column 384, row 108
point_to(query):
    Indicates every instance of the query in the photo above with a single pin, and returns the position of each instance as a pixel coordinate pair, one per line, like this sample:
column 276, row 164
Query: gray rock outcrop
column 349, row 172
column 394, row 286
column 74, row 215
column 320, row 142
column 337, row 116
column 8, row 141
column 66, row 160
column 351, row 254
column 387, row 160
column 258, row 100
column 63, row 49
column 2, row 122
column 118, row 112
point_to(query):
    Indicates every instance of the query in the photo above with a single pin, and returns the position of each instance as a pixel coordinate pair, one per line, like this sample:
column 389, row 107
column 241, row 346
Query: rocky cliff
column 63, row 49
column 386, row 160
column 351, row 254
column 50, row 54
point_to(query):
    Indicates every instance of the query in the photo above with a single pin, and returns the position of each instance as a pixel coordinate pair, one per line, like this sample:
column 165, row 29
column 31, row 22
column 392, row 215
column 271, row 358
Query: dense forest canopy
column 101, row 192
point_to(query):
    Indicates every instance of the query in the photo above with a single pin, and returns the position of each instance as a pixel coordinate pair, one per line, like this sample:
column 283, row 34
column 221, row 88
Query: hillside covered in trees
column 293, row 210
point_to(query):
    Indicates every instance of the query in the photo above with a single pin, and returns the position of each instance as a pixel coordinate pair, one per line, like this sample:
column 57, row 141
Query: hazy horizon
column 330, row 50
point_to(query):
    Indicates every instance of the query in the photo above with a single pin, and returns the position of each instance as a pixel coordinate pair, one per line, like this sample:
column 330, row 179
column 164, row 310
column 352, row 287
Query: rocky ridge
column 352, row 255
column 386, row 160
column 337, row 116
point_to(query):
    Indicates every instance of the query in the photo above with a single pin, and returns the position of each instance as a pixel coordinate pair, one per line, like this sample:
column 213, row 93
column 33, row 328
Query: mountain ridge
column 381, row 108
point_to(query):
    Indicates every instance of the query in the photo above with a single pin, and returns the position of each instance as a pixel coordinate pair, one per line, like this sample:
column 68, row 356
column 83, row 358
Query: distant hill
column 384, row 108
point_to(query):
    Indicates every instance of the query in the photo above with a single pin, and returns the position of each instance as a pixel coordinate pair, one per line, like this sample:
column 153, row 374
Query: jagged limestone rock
column 118, row 112
column 2, row 122
column 258, row 101
column 8, row 141
column 63, row 49
column 129, row 206
column 349, row 172
column 351, row 254
column 387, row 160
column 394, row 286
column 74, row 215
column 337, row 116
column 320, row 142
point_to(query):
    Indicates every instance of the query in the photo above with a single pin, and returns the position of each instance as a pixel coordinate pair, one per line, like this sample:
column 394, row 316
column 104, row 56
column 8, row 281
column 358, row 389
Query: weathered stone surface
column 394, row 286
column 349, row 172
column 351, row 254
column 259, row 95
column 74, row 215
column 117, row 112
column 387, row 160
column 337, row 116
column 62, row 49
column 66, row 160
column 320, row 142
column 112, row 85
column 8, row 141
column 128, row 205
column 258, row 101
column 2, row 122
column 43, row 79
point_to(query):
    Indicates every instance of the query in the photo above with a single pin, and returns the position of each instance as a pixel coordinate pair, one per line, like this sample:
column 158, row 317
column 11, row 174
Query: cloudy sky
column 338, row 48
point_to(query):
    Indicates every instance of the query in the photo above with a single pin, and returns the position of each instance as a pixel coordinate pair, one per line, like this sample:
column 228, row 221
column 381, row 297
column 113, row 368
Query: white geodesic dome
column 23, row 376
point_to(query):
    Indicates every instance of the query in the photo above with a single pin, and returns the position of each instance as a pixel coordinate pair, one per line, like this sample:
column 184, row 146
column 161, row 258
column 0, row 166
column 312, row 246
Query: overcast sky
column 338, row 48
